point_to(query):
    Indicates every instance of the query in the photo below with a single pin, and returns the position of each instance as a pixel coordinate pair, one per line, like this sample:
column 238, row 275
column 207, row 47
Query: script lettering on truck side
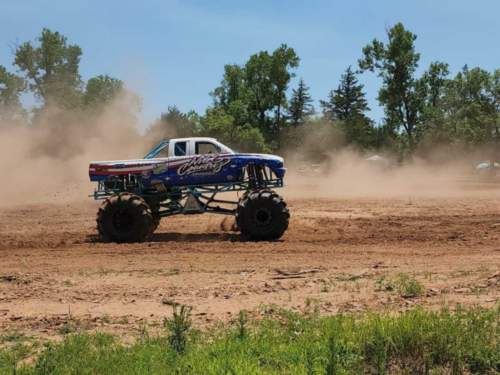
column 203, row 164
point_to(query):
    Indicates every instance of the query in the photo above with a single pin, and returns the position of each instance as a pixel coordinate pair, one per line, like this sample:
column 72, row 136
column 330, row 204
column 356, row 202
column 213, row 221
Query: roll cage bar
column 155, row 151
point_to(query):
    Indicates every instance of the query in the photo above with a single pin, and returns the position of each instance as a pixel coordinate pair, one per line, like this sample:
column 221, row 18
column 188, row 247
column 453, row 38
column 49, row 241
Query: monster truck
column 184, row 176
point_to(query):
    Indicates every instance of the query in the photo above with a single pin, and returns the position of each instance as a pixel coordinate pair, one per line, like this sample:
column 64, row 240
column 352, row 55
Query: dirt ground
column 339, row 255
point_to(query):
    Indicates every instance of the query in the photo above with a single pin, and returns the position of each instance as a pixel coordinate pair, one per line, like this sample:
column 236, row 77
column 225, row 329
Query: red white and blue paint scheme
column 184, row 176
column 187, row 161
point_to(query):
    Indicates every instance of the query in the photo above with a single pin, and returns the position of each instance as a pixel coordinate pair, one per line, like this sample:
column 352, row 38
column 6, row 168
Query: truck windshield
column 155, row 151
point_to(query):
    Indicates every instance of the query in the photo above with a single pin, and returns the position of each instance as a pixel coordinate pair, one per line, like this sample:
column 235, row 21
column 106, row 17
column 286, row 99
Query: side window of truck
column 180, row 149
column 206, row 148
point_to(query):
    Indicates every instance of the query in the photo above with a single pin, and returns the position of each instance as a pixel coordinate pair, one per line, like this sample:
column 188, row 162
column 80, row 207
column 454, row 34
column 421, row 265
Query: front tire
column 124, row 218
column 263, row 215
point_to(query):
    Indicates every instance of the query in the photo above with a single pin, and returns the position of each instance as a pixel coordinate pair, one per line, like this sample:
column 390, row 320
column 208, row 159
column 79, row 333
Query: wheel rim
column 122, row 220
column 262, row 217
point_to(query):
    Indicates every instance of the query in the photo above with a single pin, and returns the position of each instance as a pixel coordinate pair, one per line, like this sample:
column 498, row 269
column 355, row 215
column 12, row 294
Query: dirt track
column 55, row 271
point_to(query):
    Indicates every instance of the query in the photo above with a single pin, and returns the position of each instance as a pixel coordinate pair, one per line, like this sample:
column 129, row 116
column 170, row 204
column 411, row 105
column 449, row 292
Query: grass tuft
column 409, row 286
column 178, row 327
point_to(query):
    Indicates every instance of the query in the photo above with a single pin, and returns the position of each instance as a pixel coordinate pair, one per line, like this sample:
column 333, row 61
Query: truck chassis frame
column 168, row 201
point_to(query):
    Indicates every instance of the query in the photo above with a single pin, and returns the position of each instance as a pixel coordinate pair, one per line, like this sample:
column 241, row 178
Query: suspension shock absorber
column 259, row 176
column 252, row 183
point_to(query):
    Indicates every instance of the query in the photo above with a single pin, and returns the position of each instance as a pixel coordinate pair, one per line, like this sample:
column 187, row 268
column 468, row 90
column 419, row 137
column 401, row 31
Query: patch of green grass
column 428, row 275
column 358, row 288
column 67, row 283
column 106, row 319
column 456, row 274
column 403, row 284
column 171, row 273
column 383, row 283
column 242, row 324
column 414, row 342
column 205, row 270
column 409, row 286
column 106, row 272
column 11, row 358
column 311, row 301
column 66, row 329
column 13, row 337
column 123, row 320
column 479, row 291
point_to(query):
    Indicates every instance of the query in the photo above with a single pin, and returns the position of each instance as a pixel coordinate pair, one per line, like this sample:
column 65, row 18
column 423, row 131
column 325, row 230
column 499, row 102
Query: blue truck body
column 190, row 169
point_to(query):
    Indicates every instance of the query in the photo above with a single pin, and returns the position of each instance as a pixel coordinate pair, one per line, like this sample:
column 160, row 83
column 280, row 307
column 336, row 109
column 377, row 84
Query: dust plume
column 48, row 162
column 332, row 171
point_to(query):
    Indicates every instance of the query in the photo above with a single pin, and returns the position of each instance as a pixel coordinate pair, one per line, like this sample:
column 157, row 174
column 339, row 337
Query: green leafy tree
column 52, row 69
column 493, row 91
column 470, row 107
column 433, row 87
column 282, row 61
column 434, row 81
column 396, row 63
column 300, row 109
column 347, row 104
column 104, row 90
column 260, row 91
column 172, row 124
column 385, row 137
column 231, row 128
column 11, row 87
column 465, row 117
column 261, row 85
column 232, row 87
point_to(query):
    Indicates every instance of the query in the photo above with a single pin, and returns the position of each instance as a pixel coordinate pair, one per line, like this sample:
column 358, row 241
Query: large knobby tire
column 263, row 215
column 124, row 218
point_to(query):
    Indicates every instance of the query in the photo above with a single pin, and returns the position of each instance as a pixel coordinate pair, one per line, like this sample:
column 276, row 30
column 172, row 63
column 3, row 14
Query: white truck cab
column 181, row 147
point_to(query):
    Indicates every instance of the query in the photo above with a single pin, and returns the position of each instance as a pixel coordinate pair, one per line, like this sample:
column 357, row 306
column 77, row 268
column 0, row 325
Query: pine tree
column 347, row 101
column 300, row 108
column 348, row 104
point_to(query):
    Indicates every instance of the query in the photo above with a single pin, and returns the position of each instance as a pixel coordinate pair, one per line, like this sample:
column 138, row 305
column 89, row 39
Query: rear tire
column 263, row 215
column 124, row 218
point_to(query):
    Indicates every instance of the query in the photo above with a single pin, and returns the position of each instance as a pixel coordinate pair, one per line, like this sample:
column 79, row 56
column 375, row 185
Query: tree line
column 255, row 109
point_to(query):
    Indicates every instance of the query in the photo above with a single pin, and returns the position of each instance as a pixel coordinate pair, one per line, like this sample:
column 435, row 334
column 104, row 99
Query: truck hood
column 263, row 157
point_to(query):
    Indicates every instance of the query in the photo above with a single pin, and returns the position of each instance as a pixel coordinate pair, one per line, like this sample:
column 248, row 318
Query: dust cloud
column 49, row 162
column 347, row 174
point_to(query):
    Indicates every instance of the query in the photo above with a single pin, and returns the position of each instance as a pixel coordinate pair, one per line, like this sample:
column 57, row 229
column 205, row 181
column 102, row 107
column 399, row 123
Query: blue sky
column 173, row 51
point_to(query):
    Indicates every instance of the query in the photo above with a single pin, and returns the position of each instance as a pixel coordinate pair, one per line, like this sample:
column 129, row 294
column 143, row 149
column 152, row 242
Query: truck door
column 179, row 155
column 209, row 165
